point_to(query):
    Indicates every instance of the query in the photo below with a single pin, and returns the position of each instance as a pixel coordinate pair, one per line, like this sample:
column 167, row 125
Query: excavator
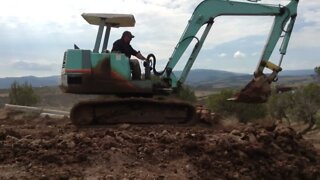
column 149, row 100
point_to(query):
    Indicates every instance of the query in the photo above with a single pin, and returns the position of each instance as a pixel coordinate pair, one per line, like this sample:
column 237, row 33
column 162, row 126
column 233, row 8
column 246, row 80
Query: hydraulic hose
column 153, row 64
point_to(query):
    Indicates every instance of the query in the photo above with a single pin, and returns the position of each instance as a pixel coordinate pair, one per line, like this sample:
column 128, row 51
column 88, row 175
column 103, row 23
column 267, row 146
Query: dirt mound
column 44, row 148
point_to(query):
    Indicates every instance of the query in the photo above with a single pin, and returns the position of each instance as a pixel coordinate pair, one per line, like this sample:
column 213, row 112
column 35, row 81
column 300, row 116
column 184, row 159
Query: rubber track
column 133, row 111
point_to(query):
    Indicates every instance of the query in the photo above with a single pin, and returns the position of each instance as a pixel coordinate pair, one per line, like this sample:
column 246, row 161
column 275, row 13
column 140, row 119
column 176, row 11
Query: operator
column 123, row 46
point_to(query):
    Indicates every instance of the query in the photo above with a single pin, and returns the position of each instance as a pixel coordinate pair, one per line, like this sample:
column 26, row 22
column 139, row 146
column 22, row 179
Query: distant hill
column 5, row 83
column 201, row 79
column 303, row 72
column 205, row 75
column 198, row 78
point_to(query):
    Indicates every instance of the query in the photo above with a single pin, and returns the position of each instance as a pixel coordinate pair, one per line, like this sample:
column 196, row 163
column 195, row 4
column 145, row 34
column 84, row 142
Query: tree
column 22, row 94
column 306, row 105
column 279, row 104
column 302, row 105
column 317, row 70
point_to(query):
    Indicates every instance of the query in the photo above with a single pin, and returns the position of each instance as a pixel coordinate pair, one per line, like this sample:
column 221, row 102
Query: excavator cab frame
column 107, row 21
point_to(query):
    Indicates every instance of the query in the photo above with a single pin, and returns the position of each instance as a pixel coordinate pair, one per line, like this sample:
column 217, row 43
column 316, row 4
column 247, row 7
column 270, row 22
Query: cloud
column 32, row 66
column 222, row 55
column 239, row 55
column 254, row 54
column 41, row 34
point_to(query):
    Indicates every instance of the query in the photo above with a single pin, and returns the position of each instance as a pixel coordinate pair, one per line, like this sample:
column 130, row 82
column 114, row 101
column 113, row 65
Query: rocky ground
column 32, row 147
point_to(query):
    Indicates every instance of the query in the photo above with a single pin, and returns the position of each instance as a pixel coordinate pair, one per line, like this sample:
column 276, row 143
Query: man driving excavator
column 123, row 46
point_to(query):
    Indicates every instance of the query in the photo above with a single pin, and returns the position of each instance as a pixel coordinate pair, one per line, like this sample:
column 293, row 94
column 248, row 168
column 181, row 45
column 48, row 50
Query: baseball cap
column 127, row 33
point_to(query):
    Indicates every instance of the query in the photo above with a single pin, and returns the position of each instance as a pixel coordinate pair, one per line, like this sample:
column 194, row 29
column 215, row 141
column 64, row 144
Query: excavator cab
column 100, row 71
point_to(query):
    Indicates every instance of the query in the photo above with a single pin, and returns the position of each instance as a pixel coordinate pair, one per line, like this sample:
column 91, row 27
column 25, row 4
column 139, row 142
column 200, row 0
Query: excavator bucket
column 256, row 91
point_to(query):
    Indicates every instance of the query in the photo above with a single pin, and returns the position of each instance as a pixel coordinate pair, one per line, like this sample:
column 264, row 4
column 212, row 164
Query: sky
column 34, row 34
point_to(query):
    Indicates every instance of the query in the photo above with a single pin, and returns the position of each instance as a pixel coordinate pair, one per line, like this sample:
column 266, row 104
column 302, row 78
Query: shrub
column 301, row 105
column 279, row 105
column 317, row 70
column 244, row 112
column 306, row 105
column 22, row 94
column 185, row 93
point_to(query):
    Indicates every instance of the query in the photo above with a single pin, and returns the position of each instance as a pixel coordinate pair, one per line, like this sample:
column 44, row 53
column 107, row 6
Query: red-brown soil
column 42, row 148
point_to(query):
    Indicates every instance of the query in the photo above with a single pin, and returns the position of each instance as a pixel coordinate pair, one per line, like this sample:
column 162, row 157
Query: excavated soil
column 32, row 147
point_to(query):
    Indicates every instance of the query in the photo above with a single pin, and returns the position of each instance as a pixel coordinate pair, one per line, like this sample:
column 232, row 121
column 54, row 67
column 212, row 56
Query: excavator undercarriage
column 134, row 111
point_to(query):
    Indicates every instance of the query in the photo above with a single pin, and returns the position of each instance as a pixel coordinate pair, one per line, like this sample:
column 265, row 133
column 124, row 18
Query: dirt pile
column 44, row 148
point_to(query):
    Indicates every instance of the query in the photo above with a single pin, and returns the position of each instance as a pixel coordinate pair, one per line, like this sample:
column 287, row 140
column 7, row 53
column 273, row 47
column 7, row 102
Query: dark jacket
column 121, row 46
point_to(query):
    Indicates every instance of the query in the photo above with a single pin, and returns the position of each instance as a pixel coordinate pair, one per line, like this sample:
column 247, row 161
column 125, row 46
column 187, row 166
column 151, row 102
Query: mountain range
column 6, row 82
column 198, row 78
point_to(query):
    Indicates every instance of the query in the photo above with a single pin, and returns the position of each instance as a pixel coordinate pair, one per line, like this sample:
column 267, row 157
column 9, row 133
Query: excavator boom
column 205, row 13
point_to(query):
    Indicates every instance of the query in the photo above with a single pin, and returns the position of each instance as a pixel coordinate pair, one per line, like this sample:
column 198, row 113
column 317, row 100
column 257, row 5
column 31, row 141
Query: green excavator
column 99, row 71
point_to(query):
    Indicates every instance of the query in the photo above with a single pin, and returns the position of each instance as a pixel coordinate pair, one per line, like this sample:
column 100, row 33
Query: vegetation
column 185, row 93
column 317, row 70
column 305, row 105
column 244, row 112
column 279, row 104
column 299, row 105
column 22, row 94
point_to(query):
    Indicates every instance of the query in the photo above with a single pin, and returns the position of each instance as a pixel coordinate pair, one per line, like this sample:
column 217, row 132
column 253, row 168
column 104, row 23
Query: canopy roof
column 113, row 20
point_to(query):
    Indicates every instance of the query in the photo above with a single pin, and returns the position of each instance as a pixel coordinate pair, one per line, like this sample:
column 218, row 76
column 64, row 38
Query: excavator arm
column 207, row 11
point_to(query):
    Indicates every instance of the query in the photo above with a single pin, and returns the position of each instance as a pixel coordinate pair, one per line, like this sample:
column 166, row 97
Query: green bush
column 279, row 104
column 185, row 93
column 301, row 105
column 317, row 70
column 22, row 94
column 244, row 112
column 306, row 105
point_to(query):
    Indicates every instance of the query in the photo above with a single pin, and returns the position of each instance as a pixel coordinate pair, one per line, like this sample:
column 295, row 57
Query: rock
column 164, row 132
column 252, row 138
column 166, row 151
column 235, row 132
column 71, row 144
column 3, row 115
column 188, row 167
column 124, row 126
column 284, row 131
column 265, row 136
column 109, row 177
column 160, row 177
column 11, row 139
column 152, row 134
